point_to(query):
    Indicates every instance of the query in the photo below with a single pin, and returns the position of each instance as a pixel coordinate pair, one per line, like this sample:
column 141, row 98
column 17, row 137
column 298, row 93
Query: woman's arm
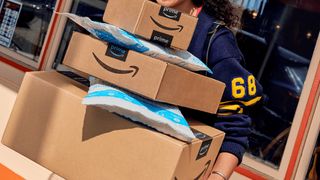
column 242, row 91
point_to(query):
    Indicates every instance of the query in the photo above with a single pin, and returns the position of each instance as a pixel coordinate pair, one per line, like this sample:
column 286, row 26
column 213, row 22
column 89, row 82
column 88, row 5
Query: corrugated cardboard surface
column 190, row 90
column 154, row 79
column 123, row 13
column 16, row 162
column 143, row 18
column 191, row 165
column 50, row 126
column 150, row 21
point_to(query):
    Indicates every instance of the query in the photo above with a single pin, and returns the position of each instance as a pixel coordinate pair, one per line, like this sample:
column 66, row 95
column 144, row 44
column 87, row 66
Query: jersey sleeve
column 242, row 91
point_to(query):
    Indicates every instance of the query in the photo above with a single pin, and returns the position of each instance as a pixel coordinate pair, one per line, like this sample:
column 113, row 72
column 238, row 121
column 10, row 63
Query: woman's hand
column 215, row 177
column 224, row 166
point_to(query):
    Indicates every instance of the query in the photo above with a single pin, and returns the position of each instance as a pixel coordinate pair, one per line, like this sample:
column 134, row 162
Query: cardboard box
column 144, row 75
column 50, row 126
column 151, row 21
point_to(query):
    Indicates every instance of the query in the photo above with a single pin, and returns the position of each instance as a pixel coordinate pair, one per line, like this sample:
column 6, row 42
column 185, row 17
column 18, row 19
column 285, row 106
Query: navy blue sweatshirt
column 242, row 90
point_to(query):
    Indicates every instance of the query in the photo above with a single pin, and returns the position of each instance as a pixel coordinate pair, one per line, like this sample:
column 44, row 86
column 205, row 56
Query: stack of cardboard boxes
column 50, row 126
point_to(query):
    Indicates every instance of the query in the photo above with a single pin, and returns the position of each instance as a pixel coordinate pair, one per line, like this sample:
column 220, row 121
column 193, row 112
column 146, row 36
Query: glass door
column 278, row 39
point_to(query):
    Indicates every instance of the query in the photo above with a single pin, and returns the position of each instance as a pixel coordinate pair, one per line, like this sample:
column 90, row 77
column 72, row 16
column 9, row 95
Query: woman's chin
column 167, row 3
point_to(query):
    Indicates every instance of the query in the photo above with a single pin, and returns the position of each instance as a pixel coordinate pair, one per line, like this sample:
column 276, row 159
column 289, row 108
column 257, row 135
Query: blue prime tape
column 175, row 118
column 108, row 37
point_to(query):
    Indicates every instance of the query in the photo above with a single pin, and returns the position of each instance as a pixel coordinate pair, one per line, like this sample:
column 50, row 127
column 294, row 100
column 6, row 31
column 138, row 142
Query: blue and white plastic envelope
column 164, row 118
column 115, row 35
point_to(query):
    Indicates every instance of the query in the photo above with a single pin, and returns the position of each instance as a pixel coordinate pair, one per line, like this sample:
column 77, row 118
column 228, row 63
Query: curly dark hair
column 222, row 10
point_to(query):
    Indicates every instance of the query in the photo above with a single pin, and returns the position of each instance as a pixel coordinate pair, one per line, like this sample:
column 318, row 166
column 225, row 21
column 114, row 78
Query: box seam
column 139, row 17
column 179, row 159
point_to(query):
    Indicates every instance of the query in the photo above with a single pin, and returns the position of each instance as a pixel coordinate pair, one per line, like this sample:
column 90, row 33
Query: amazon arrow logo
column 134, row 69
column 203, row 172
column 178, row 28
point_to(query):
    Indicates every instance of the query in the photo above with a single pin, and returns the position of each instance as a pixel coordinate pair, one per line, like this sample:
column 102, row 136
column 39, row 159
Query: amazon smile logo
column 134, row 69
column 117, row 52
column 170, row 13
column 204, row 149
column 205, row 145
column 178, row 28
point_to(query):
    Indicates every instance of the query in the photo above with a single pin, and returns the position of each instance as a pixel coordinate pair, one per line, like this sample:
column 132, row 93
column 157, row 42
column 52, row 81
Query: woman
column 215, row 44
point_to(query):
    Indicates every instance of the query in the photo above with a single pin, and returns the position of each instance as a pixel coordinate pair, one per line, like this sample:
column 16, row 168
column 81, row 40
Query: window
column 24, row 26
column 88, row 8
column 277, row 40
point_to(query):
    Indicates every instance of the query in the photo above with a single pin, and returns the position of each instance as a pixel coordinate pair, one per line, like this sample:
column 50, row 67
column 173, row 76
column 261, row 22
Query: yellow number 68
column 238, row 87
